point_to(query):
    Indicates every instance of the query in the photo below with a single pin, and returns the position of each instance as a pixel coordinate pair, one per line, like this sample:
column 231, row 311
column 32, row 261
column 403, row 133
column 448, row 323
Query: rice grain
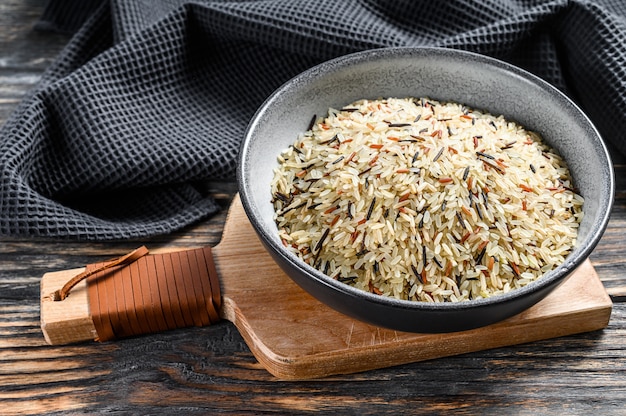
column 424, row 200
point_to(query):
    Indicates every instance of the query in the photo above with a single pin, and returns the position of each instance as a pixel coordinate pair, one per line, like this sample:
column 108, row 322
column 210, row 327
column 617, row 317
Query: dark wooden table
column 211, row 370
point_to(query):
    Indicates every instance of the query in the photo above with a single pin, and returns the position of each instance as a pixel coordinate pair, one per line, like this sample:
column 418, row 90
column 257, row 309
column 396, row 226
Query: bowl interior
column 440, row 74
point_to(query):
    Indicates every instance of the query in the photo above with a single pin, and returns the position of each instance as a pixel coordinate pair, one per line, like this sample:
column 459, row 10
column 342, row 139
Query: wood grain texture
column 211, row 370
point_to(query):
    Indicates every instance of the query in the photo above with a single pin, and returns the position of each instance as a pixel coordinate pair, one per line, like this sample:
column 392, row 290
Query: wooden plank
column 294, row 336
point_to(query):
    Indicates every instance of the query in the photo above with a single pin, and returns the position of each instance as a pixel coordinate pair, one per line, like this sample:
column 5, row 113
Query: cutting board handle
column 142, row 293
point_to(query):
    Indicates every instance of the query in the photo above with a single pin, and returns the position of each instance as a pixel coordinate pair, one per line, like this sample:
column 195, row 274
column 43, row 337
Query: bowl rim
column 554, row 277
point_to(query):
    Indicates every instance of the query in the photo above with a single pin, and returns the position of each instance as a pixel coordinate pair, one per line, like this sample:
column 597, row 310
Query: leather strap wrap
column 154, row 293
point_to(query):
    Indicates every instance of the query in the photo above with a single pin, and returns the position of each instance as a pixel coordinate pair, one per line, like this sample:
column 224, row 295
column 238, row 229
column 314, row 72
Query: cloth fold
column 150, row 98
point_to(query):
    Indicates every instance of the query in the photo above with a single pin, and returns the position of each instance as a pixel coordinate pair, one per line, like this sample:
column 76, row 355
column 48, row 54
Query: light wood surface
column 295, row 336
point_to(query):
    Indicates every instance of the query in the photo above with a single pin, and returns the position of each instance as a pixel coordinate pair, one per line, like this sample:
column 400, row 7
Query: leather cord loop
column 62, row 293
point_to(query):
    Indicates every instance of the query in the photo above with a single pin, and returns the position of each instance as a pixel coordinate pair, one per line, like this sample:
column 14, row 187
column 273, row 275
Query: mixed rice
column 425, row 200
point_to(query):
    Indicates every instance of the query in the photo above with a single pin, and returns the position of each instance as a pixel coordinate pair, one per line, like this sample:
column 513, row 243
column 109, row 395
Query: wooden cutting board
column 294, row 336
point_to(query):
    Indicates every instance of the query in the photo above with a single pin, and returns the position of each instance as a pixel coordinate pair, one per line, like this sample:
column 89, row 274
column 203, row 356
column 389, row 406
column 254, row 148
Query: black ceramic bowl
column 445, row 75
